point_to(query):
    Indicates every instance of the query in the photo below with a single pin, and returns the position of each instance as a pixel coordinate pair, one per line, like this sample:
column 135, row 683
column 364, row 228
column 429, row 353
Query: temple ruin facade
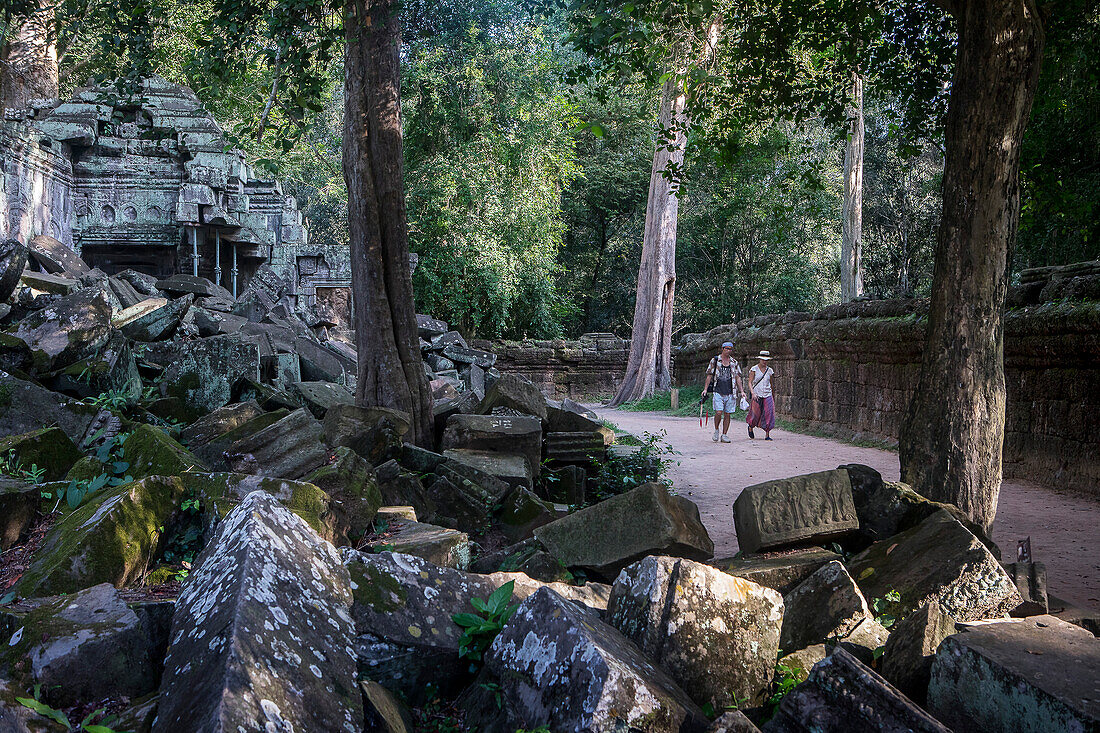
column 148, row 182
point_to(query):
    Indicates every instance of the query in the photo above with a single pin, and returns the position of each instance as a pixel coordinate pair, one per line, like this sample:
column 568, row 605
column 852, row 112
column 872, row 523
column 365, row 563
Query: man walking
column 725, row 372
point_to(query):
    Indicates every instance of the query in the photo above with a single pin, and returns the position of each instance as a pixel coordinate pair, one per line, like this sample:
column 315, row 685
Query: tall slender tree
column 851, row 237
column 28, row 52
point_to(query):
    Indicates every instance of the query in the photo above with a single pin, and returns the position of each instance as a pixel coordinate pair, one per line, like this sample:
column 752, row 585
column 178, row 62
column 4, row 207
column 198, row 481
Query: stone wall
column 590, row 367
column 36, row 179
column 851, row 369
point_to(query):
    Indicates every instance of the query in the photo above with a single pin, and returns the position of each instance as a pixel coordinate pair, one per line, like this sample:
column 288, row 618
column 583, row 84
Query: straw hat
column 764, row 355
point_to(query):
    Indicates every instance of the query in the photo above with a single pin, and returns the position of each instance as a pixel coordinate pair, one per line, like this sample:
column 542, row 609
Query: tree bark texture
column 950, row 442
column 391, row 373
column 648, row 366
column 28, row 58
column 851, row 268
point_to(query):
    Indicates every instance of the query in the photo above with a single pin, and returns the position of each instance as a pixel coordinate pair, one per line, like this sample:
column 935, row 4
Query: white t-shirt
column 761, row 385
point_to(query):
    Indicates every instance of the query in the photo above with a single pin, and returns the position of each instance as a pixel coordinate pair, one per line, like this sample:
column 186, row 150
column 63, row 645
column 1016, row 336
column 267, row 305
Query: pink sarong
column 761, row 418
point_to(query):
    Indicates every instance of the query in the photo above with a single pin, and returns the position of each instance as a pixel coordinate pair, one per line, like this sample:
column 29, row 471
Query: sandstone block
column 954, row 568
column 907, row 658
column 352, row 484
column 44, row 282
column 109, row 539
column 152, row 319
column 429, row 327
column 716, row 635
column 262, row 637
column 152, row 452
column 385, row 713
column 512, row 468
column 30, row 406
column 514, row 392
column 447, row 548
column 465, row 355
column 319, row 397
column 801, row 509
column 562, row 667
column 220, row 421
column 182, row 283
column 781, row 571
column 825, row 606
column 13, row 260
column 1033, row 674
column 289, row 448
column 497, row 433
column 346, row 424
column 802, row 661
column 841, row 695
column 49, row 449
column 1030, row 579
column 203, row 374
column 523, row 512
column 18, row 508
column 68, row 330
column 608, row 536
column 56, row 257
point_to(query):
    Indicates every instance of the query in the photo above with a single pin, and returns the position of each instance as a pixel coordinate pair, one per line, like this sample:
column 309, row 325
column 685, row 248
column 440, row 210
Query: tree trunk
column 649, row 362
column 391, row 373
column 851, row 270
column 28, row 59
column 951, row 439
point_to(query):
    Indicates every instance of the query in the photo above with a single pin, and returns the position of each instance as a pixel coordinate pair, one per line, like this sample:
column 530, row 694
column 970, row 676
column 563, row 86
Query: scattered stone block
column 182, row 283
column 1086, row 618
column 404, row 488
column 1030, row 579
column 13, row 261
column 28, row 406
column 49, row 449
column 66, row 331
column 44, row 282
column 443, row 340
column 716, row 635
column 212, row 452
column 907, row 658
column 110, row 539
column 802, row 661
column 827, row 605
column 319, row 364
column 500, row 434
column 562, row 667
column 319, row 397
column 55, row 257
column 955, row 569
column 841, row 695
column 391, row 513
column 568, row 416
column 152, row 452
column 608, row 536
column 428, row 327
column 203, row 373
column 733, row 722
column 575, row 448
column 18, row 507
column 220, row 421
column 152, row 319
column 447, row 548
column 567, row 485
column 351, row 482
column 80, row 648
column 523, row 512
column 289, row 448
column 513, row 469
column 802, row 509
column 781, row 571
column 465, row 355
column 348, row 425
column 593, row 596
column 1033, row 674
column 112, row 369
column 262, row 633
column 514, row 392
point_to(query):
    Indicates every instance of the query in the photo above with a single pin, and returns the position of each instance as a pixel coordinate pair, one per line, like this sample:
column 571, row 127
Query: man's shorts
column 724, row 403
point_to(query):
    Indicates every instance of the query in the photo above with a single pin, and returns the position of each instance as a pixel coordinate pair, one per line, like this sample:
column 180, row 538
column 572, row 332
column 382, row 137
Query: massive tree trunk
column 851, row 269
column 649, row 362
column 953, row 430
column 391, row 373
column 28, row 57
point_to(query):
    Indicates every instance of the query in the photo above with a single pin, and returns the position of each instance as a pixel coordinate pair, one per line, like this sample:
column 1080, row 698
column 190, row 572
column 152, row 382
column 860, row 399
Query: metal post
column 217, row 257
column 195, row 251
column 234, row 246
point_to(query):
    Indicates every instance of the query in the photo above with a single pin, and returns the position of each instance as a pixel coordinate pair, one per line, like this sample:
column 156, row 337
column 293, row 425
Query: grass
column 805, row 428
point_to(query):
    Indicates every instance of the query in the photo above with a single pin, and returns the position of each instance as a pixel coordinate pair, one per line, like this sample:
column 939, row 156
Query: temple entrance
column 159, row 262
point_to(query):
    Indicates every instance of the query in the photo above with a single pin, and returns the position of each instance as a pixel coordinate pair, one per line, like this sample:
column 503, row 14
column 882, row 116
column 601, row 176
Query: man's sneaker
column 725, row 438
column 750, row 433
column 715, row 438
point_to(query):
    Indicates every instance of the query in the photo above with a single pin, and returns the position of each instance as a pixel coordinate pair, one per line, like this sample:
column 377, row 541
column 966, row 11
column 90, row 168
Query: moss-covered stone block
column 49, row 449
column 212, row 451
column 110, row 539
column 86, row 469
column 18, row 508
column 523, row 513
column 351, row 481
column 152, row 452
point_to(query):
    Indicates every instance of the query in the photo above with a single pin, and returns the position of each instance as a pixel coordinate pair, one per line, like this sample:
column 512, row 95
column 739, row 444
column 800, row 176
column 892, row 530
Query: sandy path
column 1064, row 527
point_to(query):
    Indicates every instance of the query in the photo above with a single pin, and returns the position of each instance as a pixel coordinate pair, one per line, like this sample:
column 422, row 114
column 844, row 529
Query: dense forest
column 527, row 182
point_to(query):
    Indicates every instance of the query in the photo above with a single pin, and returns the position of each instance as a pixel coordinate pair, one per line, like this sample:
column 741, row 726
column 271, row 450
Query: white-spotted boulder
column 715, row 634
column 262, row 638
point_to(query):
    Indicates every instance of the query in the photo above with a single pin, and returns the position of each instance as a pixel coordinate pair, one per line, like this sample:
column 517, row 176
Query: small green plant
column 11, row 466
column 58, row 716
column 887, row 609
column 114, row 400
column 186, row 537
column 112, row 455
column 621, row 473
column 738, row 703
column 479, row 629
column 786, row 679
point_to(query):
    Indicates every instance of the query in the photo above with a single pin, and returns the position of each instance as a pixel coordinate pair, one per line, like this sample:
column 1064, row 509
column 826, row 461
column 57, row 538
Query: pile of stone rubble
column 334, row 556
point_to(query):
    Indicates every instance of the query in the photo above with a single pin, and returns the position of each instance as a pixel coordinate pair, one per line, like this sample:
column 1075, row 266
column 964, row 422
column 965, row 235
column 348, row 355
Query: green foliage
column 786, row 679
column 887, row 608
column 479, row 629
column 618, row 474
column 86, row 725
column 185, row 539
column 12, row 466
column 112, row 454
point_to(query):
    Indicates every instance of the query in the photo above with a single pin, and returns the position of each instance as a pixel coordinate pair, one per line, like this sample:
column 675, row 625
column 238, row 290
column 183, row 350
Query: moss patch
column 151, row 452
column 376, row 588
column 50, row 449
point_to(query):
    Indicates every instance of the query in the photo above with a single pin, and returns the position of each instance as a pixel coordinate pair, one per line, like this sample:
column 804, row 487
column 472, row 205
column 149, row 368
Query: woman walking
column 762, row 410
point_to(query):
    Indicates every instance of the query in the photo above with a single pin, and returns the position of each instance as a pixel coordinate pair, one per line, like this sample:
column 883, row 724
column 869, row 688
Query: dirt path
column 1064, row 527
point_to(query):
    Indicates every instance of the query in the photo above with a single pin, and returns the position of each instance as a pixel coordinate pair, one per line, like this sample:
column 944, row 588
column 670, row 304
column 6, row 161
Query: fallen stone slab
column 220, row 421
column 43, row 282
column 289, row 448
column 805, row 509
column 500, row 434
column 513, row 469
column 584, row 448
column 955, row 569
column 842, row 695
column 30, row 406
column 128, row 296
column 908, row 654
column 447, row 548
column 428, row 327
column 109, row 539
column 560, row 666
column 514, row 392
column 152, row 452
column 13, row 261
column 390, row 513
column 733, row 722
column 66, row 331
column 523, row 512
column 465, row 355
column 18, row 508
column 781, row 571
column 262, row 637
column 79, row 648
column 203, row 373
column 319, row 397
column 346, row 424
column 608, row 536
column 212, row 452
column 352, row 484
column 1033, row 674
column 716, row 635
column 384, row 712
column 802, row 661
column 593, row 596
column 182, row 283
column 827, row 605
column 568, row 416
column 152, row 319
column 49, row 450
column 319, row 364
column 1030, row 579
column 112, row 369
